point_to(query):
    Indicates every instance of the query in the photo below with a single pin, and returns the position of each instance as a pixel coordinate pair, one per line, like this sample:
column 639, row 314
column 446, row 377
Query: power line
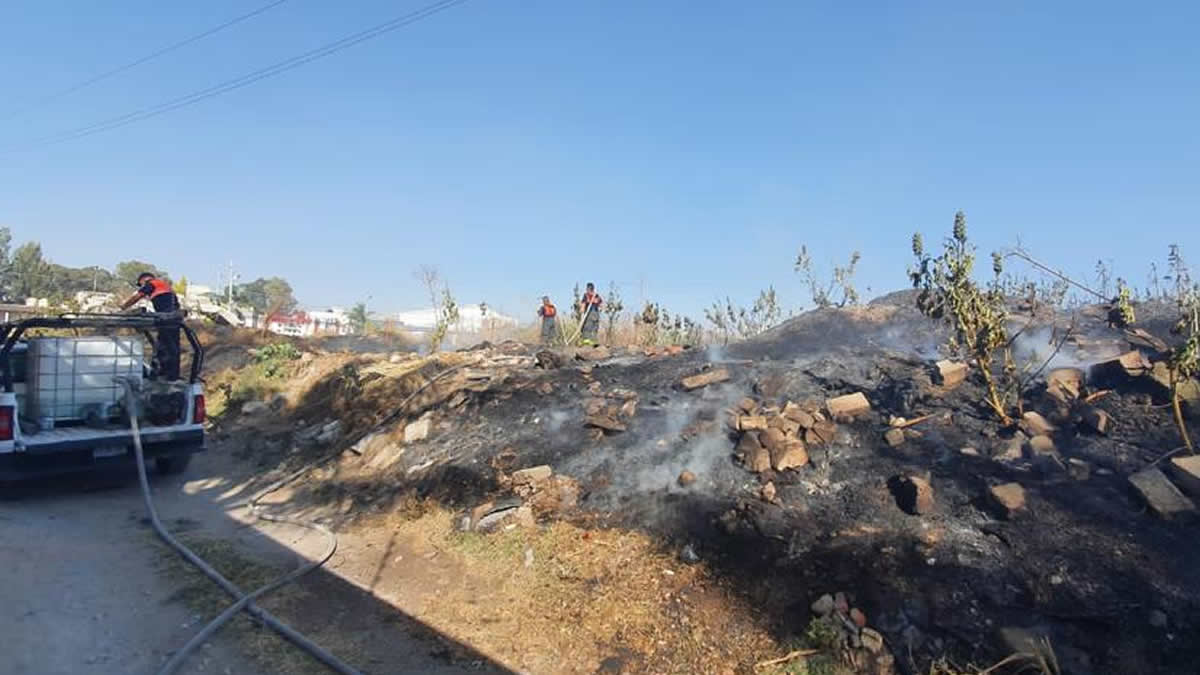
column 145, row 59
column 243, row 81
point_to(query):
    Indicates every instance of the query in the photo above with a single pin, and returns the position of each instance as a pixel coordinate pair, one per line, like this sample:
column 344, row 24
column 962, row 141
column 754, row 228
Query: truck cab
column 62, row 401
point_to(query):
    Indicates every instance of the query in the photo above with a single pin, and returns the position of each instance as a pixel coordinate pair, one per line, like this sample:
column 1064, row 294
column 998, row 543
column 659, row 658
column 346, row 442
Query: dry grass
column 583, row 596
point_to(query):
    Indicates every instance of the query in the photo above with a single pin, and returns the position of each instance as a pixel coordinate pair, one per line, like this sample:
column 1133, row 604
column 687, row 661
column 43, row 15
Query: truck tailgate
column 80, row 438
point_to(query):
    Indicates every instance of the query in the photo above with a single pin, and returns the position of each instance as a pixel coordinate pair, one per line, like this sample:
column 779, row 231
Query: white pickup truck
column 62, row 404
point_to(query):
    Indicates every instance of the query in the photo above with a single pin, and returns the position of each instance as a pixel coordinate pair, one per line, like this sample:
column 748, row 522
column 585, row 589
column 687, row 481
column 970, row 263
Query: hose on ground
column 244, row 601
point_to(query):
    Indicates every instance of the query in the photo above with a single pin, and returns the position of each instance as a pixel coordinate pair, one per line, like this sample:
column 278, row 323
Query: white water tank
column 66, row 378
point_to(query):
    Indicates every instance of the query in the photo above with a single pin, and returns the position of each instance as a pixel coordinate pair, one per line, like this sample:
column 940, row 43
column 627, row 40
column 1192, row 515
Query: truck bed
column 82, row 437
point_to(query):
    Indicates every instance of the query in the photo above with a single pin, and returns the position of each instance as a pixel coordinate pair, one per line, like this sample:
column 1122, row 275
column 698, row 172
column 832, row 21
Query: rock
column 822, row 606
column 686, row 478
column 799, row 415
column 872, row 641
column 1010, row 449
column 894, row 437
column 548, row 360
column 968, row 452
column 857, row 616
column 329, row 433
column 1078, row 469
column 1158, row 618
column 623, row 394
column 254, row 407
column 1008, row 498
column 278, row 402
column 790, row 454
column 756, row 457
column 594, row 406
column 1034, row 424
column 767, row 493
column 748, row 405
column 689, row 556
column 532, row 476
column 1186, row 473
column 524, row 517
column 592, row 353
column 949, row 374
column 595, row 388
column 546, row 388
column 1161, row 495
column 704, row 379
column 772, row 439
column 752, row 423
column 1121, row 369
column 913, row 494
column 1065, row 384
column 1096, row 419
column 850, row 405
column 418, row 431
column 1042, row 445
column 629, row 409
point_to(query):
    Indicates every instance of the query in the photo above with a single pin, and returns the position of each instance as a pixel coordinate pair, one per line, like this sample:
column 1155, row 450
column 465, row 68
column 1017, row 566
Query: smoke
column 715, row 353
column 556, row 419
column 1034, row 347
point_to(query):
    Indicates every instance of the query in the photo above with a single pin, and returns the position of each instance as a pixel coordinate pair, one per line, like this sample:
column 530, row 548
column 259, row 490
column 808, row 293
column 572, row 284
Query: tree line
column 26, row 272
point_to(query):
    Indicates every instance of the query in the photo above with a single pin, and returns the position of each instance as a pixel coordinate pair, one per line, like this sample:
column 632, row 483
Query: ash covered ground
column 902, row 518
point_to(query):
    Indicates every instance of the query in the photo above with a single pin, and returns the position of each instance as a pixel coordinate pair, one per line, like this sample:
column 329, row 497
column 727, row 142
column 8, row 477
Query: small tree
column 976, row 316
column 358, row 318
column 30, row 272
column 843, row 279
column 612, row 312
column 1184, row 363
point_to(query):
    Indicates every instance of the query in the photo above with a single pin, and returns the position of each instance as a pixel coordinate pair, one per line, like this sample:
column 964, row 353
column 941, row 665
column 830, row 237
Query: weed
column 612, row 313
column 842, row 279
column 729, row 321
column 977, row 316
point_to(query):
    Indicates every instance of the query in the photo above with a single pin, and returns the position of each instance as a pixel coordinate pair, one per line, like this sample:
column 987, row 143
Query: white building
column 471, row 319
column 333, row 321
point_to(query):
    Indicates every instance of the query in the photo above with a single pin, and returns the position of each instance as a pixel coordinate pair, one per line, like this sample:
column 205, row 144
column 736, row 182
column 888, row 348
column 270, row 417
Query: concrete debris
column 789, row 454
column 1078, row 469
column 623, row 394
column 1186, row 472
column 1008, row 498
column 704, row 379
column 968, row 451
column 894, row 437
column 913, row 494
column 850, row 405
column 418, row 431
column 532, row 475
column 1161, row 495
column 1034, row 424
column 1096, row 419
column 752, row 423
column 686, row 478
column 949, row 374
column 1065, row 384
column 768, row 493
column 604, row 422
column 329, row 433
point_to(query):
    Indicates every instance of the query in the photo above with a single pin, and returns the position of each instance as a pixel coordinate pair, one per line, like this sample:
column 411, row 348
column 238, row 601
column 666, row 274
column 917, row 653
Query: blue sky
column 682, row 149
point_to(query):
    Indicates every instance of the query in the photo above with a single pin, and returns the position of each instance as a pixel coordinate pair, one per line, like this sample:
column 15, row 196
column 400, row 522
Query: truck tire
column 169, row 466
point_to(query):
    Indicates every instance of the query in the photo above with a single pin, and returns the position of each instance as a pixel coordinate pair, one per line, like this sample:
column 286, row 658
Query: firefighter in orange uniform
column 166, row 347
column 589, row 307
column 549, row 321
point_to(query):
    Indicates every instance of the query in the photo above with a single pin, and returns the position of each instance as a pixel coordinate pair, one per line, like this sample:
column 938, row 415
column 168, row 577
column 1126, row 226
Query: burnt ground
column 1084, row 564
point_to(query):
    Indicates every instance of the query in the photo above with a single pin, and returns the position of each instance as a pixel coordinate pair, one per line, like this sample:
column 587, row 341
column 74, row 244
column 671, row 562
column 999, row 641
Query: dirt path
column 89, row 588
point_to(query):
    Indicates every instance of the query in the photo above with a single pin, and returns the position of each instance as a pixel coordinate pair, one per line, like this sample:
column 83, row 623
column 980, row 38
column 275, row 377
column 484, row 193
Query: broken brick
column 754, row 456
column 752, row 423
column 1007, row 498
column 850, row 405
column 772, row 439
column 1160, row 494
column 604, row 422
column 1126, row 366
column 821, row 432
column 949, row 374
column 748, row 406
column 1065, row 384
column 704, row 379
column 628, row 408
column 686, row 478
column 532, row 475
column 592, row 353
column 798, row 415
column 894, row 437
column 914, row 495
column 790, row 454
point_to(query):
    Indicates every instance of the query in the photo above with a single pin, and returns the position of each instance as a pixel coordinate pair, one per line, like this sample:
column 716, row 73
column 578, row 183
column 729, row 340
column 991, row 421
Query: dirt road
column 89, row 588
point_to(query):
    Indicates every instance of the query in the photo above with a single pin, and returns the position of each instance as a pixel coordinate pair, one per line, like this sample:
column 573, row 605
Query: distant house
column 472, row 320
column 334, row 321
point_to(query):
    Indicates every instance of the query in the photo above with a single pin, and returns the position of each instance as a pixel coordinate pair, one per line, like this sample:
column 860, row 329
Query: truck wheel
column 168, row 466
